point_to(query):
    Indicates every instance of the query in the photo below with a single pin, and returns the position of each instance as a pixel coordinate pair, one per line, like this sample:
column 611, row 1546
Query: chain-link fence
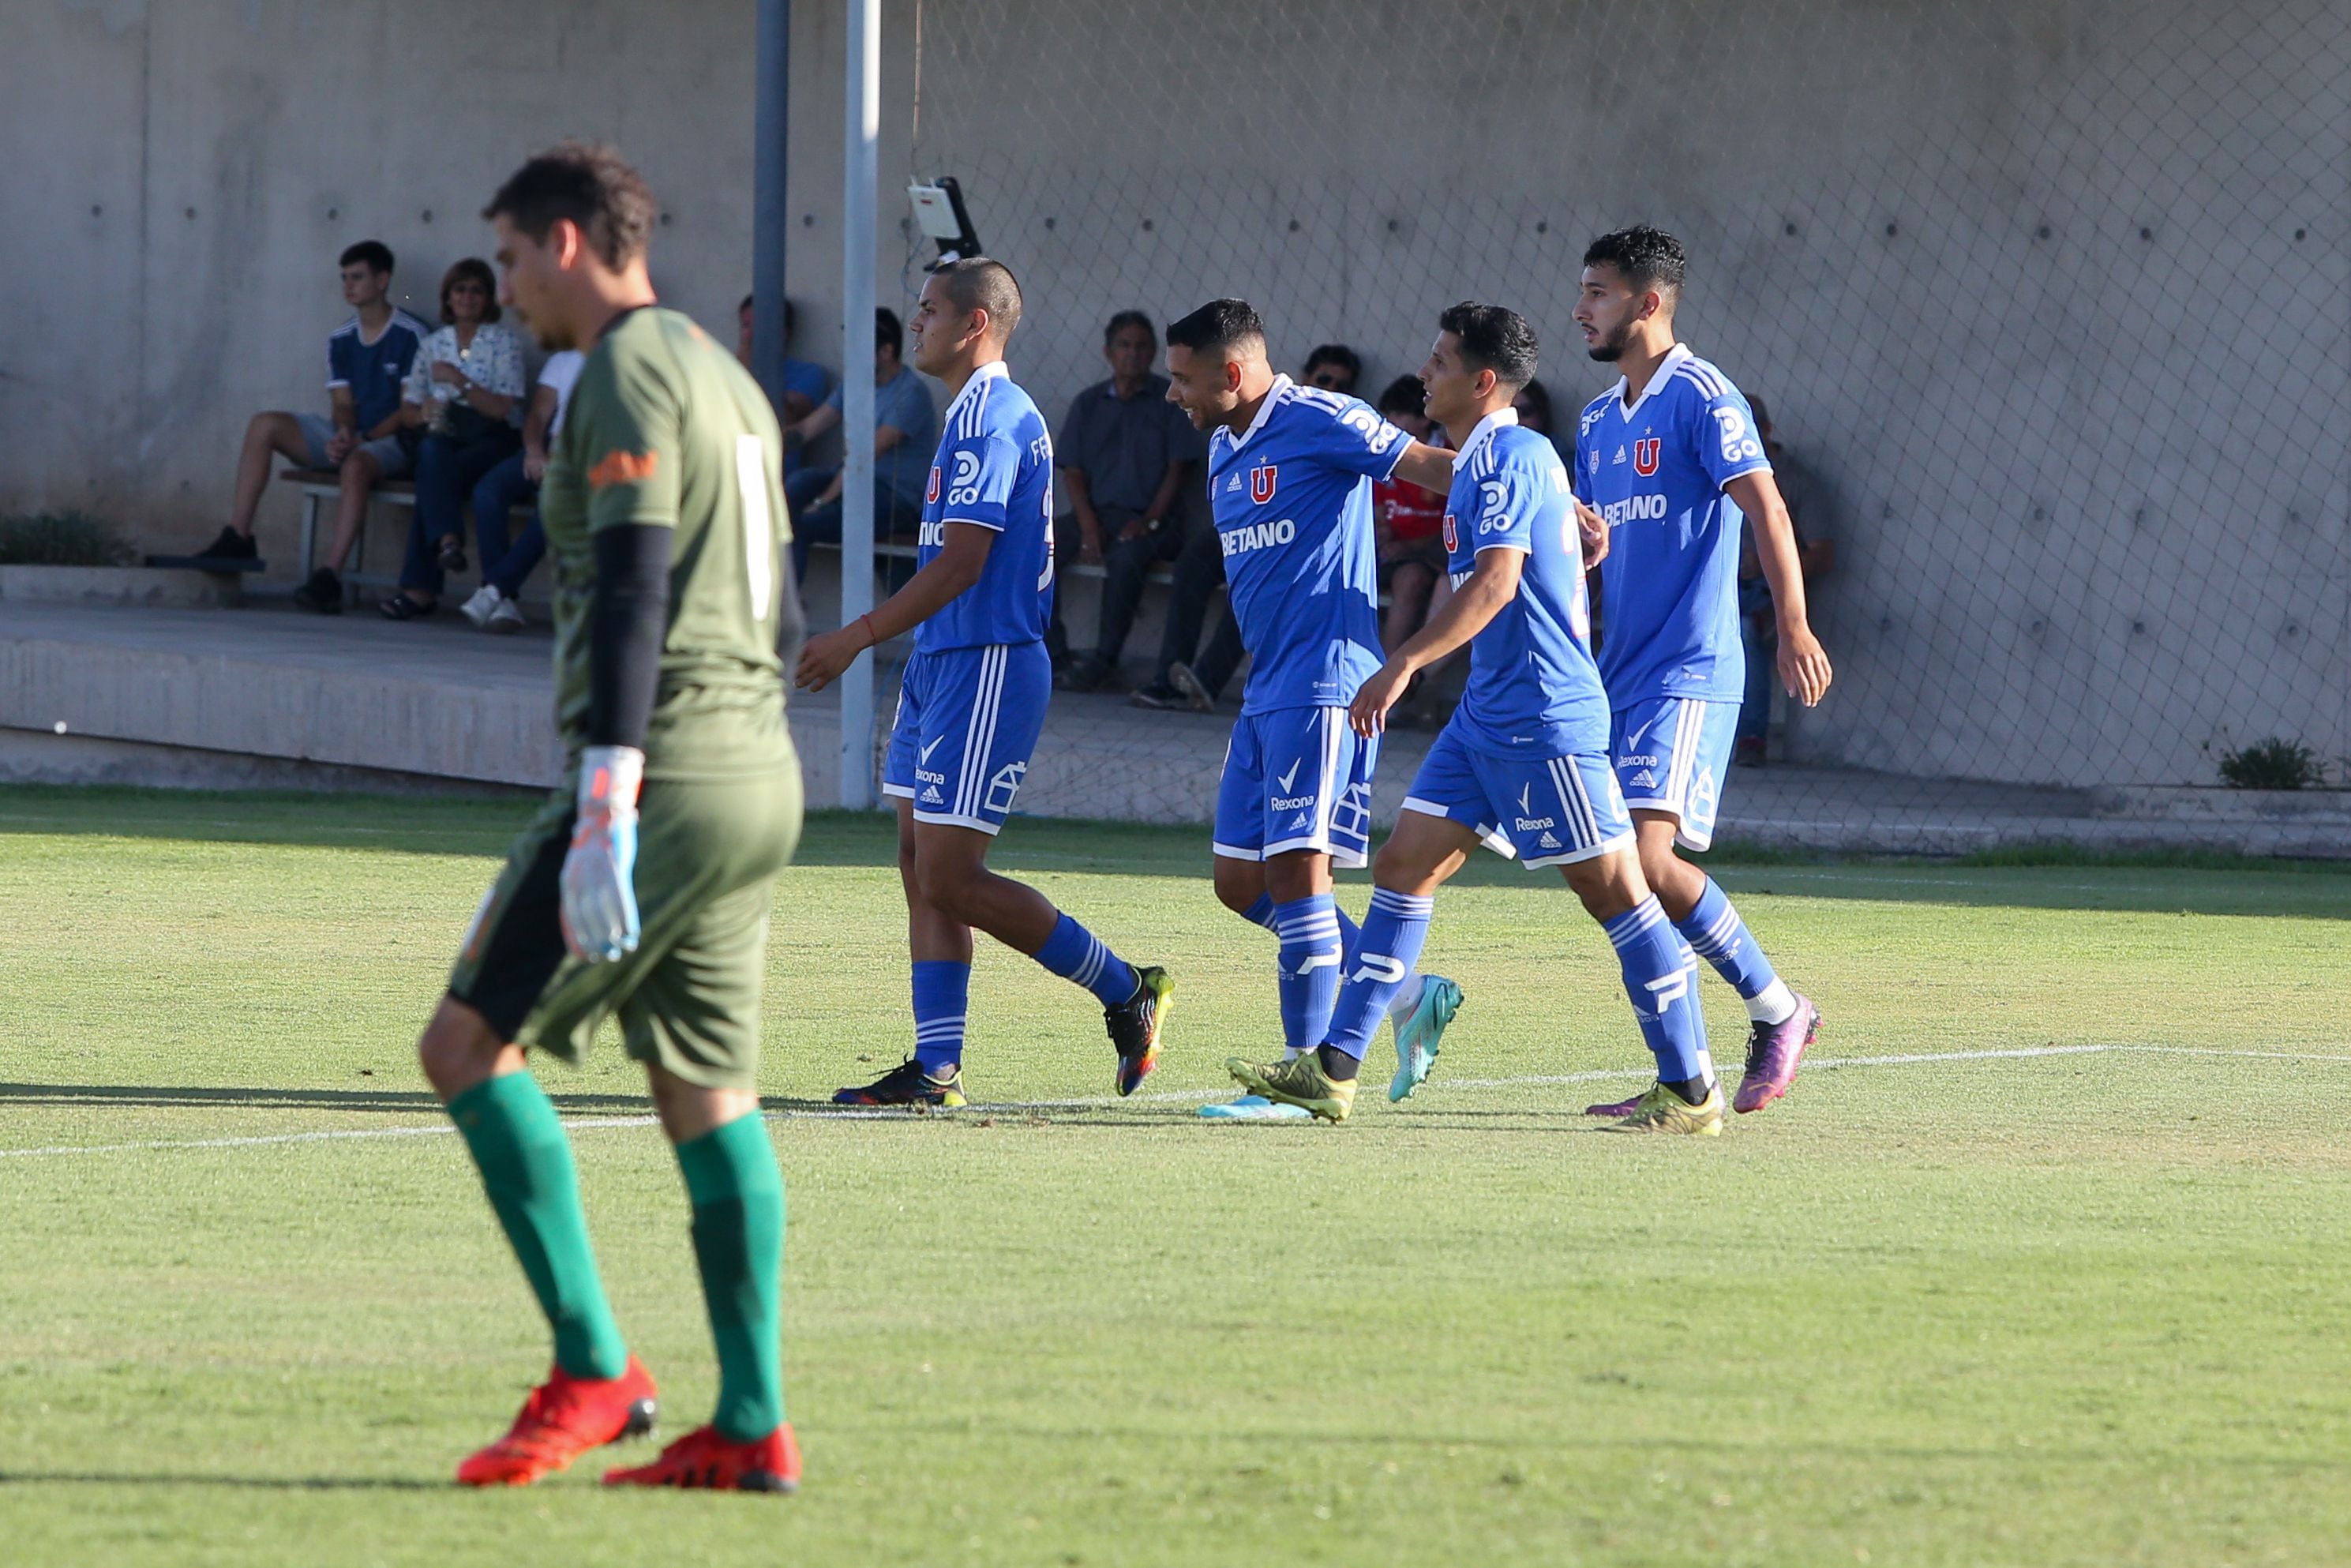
column 2048, row 302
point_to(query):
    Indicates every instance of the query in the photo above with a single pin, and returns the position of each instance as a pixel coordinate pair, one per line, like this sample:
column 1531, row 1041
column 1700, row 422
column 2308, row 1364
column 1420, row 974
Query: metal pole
column 860, row 170
column 770, row 217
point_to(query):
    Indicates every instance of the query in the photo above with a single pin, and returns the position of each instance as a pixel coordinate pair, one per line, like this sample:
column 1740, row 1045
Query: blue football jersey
column 1669, row 588
column 995, row 468
column 1533, row 688
column 1292, row 497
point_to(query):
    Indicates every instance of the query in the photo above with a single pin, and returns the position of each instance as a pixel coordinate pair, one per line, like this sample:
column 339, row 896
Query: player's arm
column 1431, row 468
column 951, row 572
column 1492, row 583
column 630, row 448
column 1803, row 664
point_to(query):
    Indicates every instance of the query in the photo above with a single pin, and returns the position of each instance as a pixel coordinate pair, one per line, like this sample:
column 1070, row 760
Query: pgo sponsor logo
column 1262, row 480
column 1645, row 455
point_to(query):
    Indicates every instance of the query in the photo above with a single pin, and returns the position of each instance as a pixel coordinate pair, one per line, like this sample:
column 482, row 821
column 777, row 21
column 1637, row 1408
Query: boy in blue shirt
column 1289, row 481
column 971, row 702
column 1671, row 459
column 1522, row 766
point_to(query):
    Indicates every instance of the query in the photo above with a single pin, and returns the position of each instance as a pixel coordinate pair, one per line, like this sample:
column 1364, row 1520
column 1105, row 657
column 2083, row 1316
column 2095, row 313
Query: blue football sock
column 1308, row 968
column 942, row 999
column 1660, row 973
column 1077, row 954
column 1393, row 929
column 1261, row 911
column 1717, row 936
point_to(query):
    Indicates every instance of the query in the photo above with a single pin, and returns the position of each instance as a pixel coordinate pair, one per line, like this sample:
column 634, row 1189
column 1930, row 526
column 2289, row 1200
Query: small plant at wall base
column 61, row 538
column 2273, row 763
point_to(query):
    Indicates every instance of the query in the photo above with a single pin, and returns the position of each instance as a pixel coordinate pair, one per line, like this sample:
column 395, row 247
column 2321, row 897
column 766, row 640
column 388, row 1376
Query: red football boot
column 704, row 1459
column 564, row 1418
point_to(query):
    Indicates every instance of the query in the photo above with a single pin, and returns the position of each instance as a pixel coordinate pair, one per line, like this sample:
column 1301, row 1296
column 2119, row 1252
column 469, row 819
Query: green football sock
column 739, row 1239
column 525, row 1163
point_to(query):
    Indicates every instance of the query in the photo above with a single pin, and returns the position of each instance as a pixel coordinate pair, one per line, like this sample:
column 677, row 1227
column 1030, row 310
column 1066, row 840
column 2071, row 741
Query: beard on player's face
column 1608, row 347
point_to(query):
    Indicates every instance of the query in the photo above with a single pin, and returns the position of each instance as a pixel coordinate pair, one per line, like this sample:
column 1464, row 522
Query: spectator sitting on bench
column 805, row 381
column 1123, row 454
column 503, row 488
column 462, row 392
column 1334, row 367
column 906, row 435
column 367, row 359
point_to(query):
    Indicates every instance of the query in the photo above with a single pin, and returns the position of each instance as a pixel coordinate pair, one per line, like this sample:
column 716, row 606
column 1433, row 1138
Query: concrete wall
column 2053, row 294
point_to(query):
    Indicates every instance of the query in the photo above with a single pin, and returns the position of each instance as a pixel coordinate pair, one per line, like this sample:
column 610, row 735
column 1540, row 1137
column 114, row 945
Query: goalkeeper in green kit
column 641, row 891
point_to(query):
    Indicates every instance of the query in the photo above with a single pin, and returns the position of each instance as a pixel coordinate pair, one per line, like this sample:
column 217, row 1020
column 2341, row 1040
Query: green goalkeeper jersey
column 664, row 428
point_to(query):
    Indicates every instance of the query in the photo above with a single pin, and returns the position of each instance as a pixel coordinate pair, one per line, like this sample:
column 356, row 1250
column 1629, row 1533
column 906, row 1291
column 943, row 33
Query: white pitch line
column 1177, row 1096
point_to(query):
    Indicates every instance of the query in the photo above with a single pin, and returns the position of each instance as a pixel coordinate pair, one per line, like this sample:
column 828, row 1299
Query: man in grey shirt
column 1124, row 453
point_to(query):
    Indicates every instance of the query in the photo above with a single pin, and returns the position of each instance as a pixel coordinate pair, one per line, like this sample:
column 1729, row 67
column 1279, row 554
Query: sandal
column 453, row 554
column 400, row 607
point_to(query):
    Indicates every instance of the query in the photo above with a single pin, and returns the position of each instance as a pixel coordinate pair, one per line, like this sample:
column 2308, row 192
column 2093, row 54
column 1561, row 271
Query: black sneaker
column 908, row 1084
column 230, row 546
column 1134, row 1025
column 1191, row 688
column 1159, row 694
column 323, row 592
column 1086, row 672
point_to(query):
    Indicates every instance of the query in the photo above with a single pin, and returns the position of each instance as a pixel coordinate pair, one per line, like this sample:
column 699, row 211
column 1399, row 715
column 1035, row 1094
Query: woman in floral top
column 463, row 390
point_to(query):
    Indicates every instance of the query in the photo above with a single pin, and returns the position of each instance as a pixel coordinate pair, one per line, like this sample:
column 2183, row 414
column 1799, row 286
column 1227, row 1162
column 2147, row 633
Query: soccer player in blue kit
column 1290, row 477
column 972, row 700
column 1523, row 764
column 1671, row 459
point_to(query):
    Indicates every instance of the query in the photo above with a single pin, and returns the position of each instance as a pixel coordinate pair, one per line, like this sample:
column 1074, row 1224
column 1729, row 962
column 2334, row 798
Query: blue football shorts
column 1296, row 778
column 1672, row 754
column 1545, row 810
column 967, row 723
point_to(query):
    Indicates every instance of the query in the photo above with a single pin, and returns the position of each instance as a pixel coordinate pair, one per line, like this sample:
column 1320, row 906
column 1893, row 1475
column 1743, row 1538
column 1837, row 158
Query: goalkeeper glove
column 599, row 897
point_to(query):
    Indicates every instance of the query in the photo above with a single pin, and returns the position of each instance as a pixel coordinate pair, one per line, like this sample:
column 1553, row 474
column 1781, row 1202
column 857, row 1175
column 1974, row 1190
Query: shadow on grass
column 2046, row 876
column 388, row 1101
column 256, row 1483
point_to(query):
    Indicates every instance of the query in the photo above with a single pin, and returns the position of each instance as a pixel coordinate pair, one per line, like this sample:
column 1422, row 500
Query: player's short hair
column 982, row 283
column 588, row 183
column 889, row 332
column 1338, row 354
column 1493, row 339
column 1405, row 395
column 1125, row 318
column 471, row 270
column 1649, row 258
column 373, row 254
column 1218, row 328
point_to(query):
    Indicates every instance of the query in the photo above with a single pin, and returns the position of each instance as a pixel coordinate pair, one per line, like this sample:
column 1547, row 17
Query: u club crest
column 1452, row 541
column 931, row 496
column 1645, row 456
column 1261, row 483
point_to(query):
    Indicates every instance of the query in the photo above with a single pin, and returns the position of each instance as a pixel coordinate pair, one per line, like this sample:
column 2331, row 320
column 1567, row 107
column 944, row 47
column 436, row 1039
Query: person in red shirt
column 1409, row 523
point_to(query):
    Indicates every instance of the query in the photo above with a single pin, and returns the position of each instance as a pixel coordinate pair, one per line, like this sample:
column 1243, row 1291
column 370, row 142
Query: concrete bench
column 320, row 488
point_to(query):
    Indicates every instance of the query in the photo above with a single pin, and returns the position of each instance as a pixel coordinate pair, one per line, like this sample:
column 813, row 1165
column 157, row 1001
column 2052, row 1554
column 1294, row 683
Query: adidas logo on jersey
column 1233, row 485
column 1619, row 458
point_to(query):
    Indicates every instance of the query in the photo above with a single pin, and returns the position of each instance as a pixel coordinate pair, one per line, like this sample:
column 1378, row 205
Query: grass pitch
column 2085, row 1306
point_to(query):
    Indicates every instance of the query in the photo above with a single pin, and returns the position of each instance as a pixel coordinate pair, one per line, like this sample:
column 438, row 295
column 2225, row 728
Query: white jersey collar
column 1481, row 433
column 973, row 388
column 1273, row 395
column 1674, row 360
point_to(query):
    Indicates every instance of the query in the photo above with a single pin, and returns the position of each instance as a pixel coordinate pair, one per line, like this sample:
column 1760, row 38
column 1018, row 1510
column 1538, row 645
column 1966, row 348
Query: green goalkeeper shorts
column 689, row 998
